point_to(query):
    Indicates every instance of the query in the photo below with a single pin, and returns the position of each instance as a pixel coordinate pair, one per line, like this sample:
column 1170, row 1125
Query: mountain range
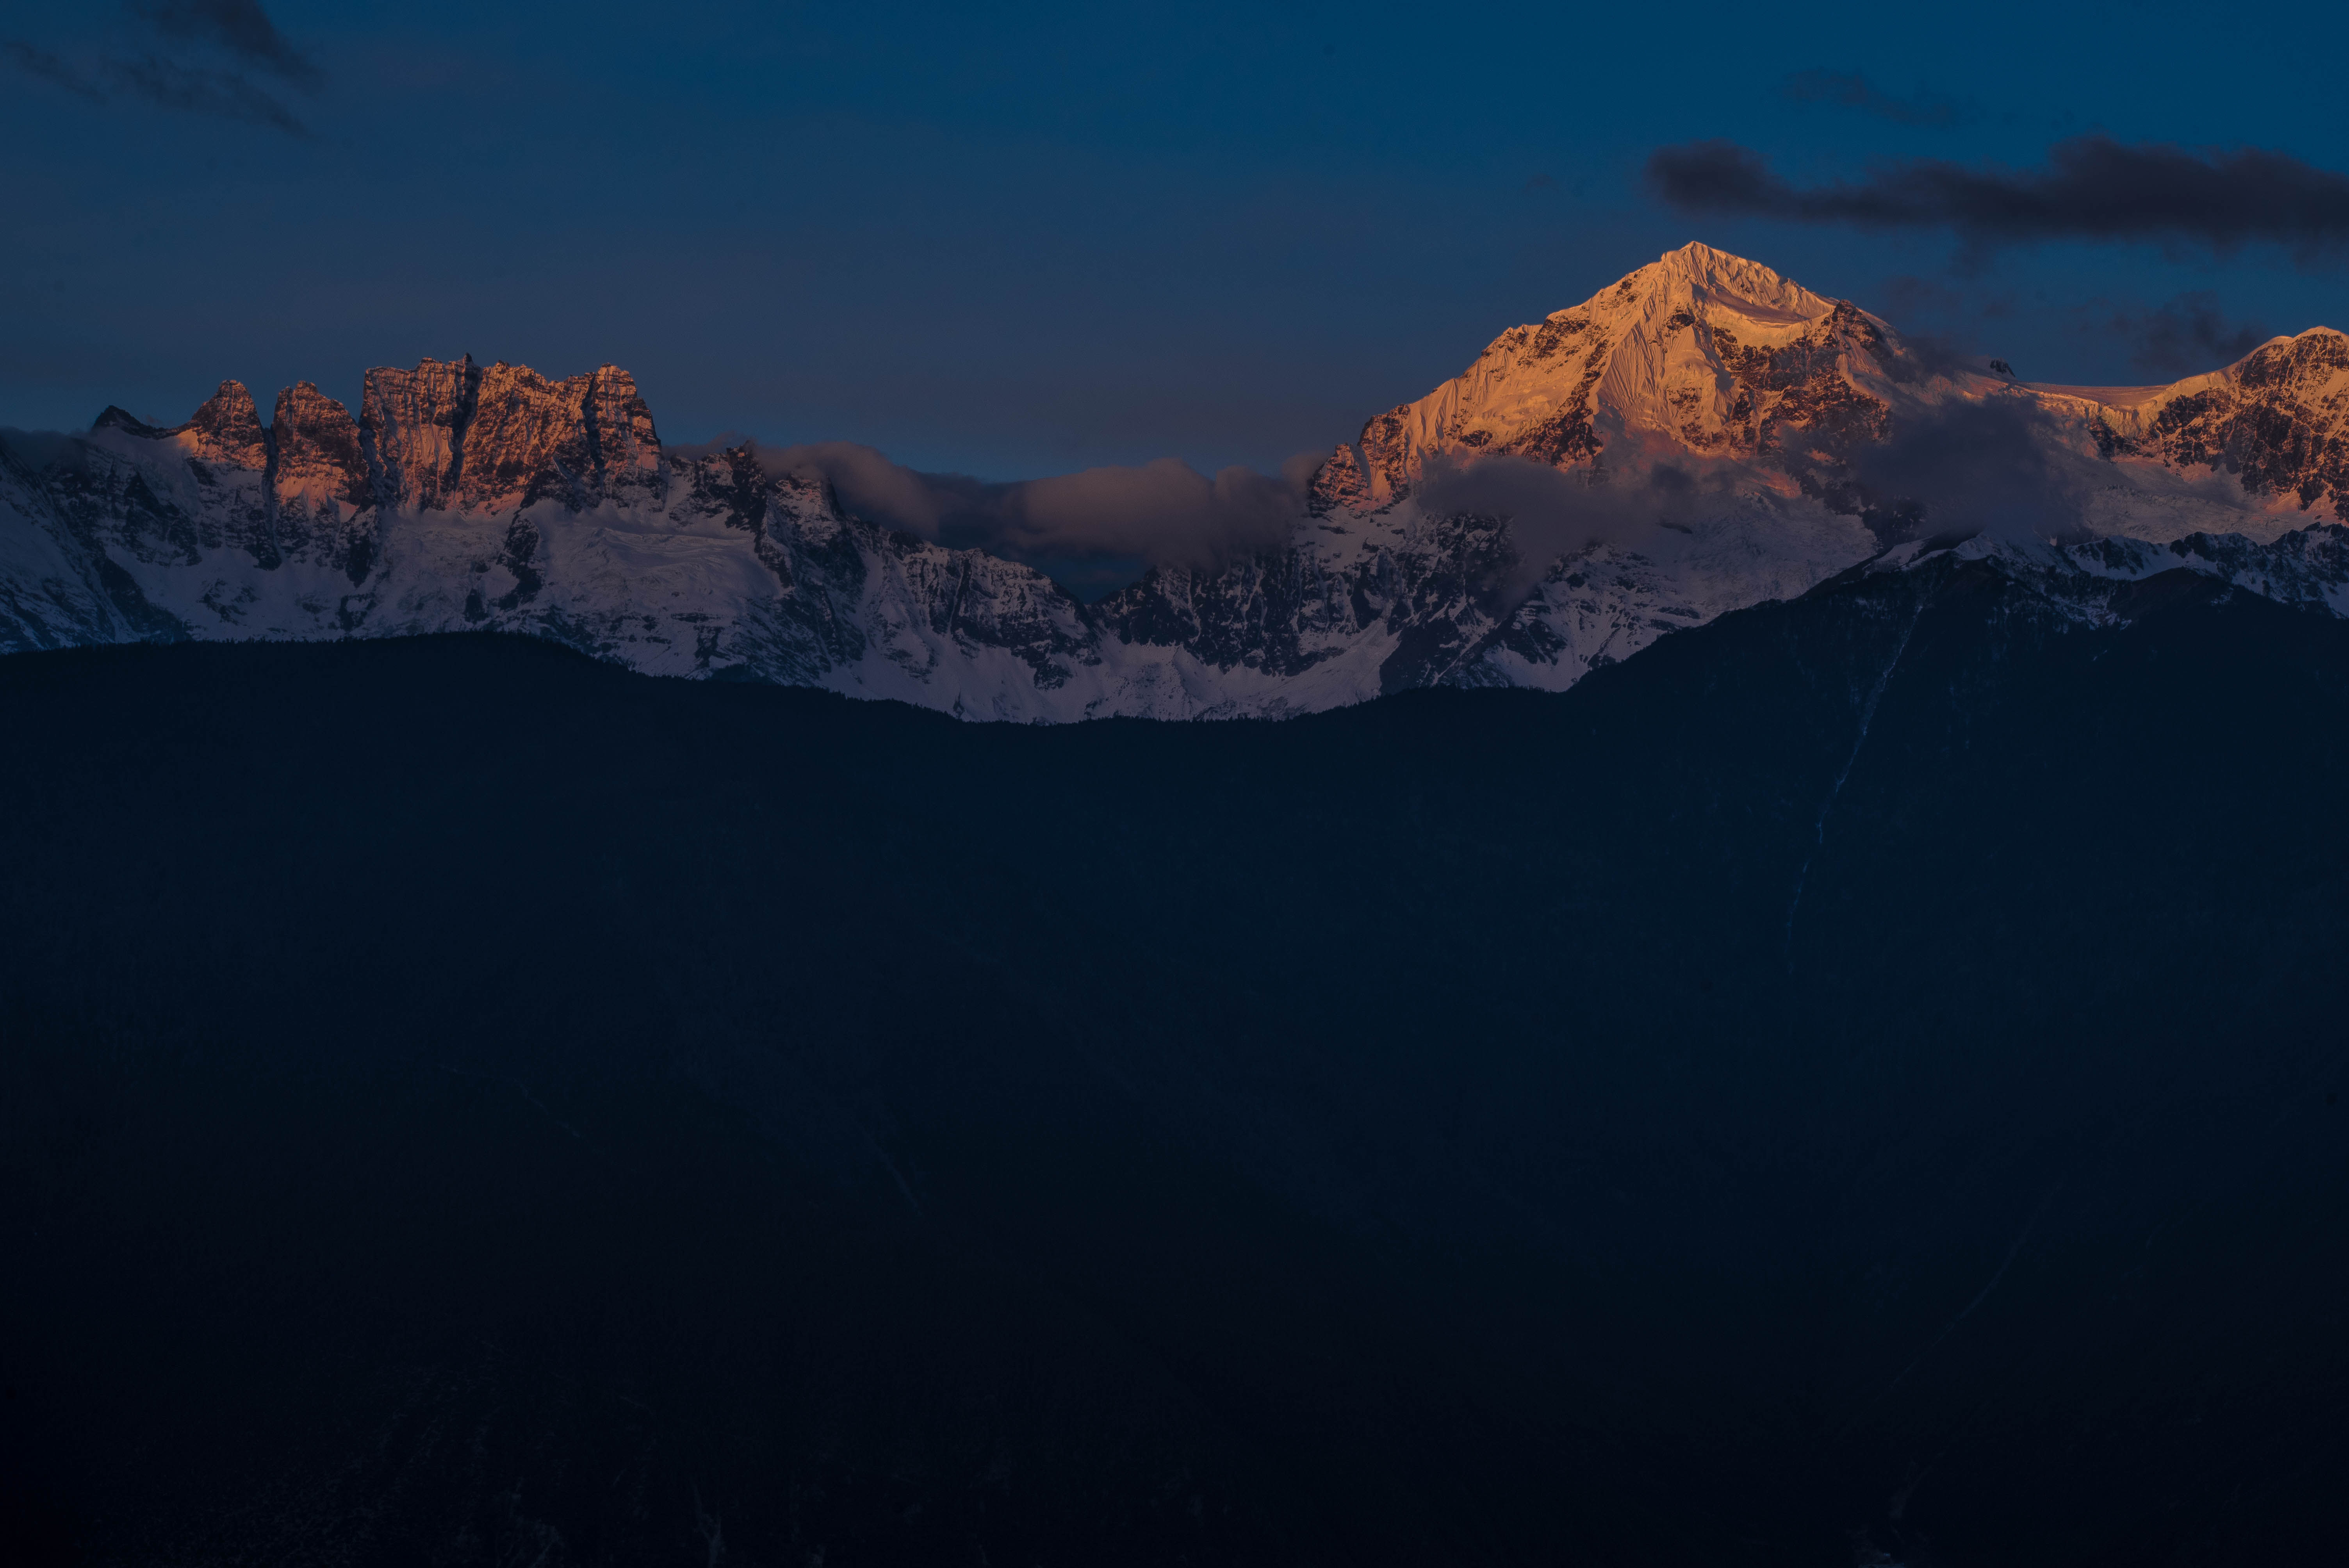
column 1702, row 436
column 1858, row 1081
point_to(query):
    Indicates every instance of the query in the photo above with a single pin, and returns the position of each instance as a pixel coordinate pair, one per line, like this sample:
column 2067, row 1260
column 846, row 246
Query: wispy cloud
column 197, row 57
column 2091, row 188
column 195, row 89
column 2184, row 335
column 48, row 67
column 2000, row 466
column 1164, row 513
column 1849, row 89
column 240, row 27
column 1552, row 510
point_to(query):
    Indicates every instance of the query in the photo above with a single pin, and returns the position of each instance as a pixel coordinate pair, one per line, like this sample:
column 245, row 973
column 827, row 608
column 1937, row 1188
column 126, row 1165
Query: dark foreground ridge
column 1857, row 1083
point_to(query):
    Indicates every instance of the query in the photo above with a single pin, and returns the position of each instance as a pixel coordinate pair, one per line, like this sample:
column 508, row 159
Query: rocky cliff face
column 2278, row 421
column 415, row 422
column 320, row 485
column 226, row 430
column 458, row 438
column 463, row 496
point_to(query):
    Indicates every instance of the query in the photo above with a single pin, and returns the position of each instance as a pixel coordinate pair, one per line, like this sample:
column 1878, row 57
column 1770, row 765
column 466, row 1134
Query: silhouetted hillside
column 1860, row 1076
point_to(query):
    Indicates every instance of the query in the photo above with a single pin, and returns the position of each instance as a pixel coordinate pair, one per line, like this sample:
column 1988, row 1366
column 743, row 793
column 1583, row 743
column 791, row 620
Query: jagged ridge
column 466, row 496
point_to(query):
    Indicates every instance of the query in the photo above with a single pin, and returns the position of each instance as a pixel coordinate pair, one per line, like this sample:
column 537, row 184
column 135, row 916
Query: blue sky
column 1020, row 245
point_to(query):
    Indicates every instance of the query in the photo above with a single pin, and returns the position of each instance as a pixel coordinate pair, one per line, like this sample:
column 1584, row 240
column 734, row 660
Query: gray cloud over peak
column 1997, row 466
column 2091, row 188
column 1165, row 511
column 1552, row 510
column 1555, row 511
column 1160, row 514
column 1990, row 466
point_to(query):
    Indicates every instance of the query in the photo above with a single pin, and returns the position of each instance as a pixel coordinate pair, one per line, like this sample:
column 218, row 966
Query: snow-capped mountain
column 1689, row 441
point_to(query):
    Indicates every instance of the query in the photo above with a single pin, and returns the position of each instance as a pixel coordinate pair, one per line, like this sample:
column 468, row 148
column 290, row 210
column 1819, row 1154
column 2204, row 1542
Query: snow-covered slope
column 1695, row 423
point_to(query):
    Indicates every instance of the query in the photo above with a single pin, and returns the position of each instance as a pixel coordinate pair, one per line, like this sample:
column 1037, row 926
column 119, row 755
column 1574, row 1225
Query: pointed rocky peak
column 728, row 484
column 1339, row 484
column 529, row 438
column 415, row 421
column 319, row 457
column 569, row 440
column 114, row 418
column 628, row 446
column 1701, row 280
column 226, row 430
column 1698, row 352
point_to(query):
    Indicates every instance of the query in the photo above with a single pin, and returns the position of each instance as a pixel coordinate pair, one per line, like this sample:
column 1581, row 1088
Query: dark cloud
column 2186, row 335
column 1165, row 512
column 193, row 89
column 239, row 26
column 1555, row 511
column 1938, row 332
column 48, row 67
column 1908, row 298
column 1997, row 466
column 869, row 485
column 1849, row 89
column 2092, row 188
column 1162, row 513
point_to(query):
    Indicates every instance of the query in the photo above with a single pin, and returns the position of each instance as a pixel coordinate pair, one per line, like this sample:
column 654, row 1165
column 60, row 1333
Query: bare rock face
column 1430, row 595
column 415, row 422
column 227, row 455
column 226, row 430
column 528, row 439
column 319, row 457
column 1808, row 384
column 2272, row 428
column 628, row 449
column 320, row 484
column 456, row 437
column 1339, row 484
column 2279, row 420
column 856, row 601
